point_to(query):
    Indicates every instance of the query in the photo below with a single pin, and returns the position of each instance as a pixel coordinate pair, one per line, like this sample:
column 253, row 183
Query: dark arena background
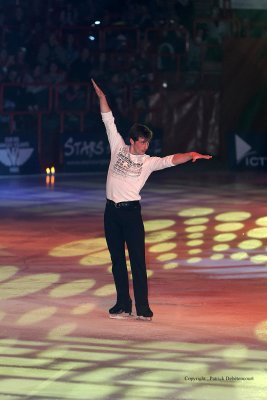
column 195, row 72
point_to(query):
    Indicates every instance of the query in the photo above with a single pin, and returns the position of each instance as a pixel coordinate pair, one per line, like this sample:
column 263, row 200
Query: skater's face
column 139, row 147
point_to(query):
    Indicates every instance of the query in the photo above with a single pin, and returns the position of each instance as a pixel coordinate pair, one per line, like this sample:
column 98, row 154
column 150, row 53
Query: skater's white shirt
column 127, row 172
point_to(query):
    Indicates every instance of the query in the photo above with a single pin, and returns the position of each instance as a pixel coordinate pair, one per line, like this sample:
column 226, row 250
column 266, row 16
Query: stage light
column 97, row 22
column 50, row 176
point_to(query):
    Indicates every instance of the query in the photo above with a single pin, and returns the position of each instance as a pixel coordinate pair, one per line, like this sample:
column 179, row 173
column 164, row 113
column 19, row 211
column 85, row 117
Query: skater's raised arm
column 114, row 137
column 104, row 107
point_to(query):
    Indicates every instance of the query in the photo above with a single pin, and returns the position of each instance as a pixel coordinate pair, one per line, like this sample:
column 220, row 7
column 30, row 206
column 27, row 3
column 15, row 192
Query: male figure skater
column 128, row 171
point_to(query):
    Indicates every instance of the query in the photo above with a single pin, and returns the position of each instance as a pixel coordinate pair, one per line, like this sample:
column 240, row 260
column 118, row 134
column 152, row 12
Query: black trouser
column 125, row 225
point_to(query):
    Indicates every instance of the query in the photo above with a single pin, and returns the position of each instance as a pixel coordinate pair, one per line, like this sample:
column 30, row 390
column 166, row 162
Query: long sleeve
column 114, row 137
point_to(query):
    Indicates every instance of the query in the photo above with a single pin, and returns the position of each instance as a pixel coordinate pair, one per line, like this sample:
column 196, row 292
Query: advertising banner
column 248, row 151
column 84, row 152
column 249, row 4
column 19, row 154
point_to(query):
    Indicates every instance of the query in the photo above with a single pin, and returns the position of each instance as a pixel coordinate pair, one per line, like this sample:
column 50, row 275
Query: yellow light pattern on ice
column 167, row 257
column 105, row 290
column 72, row 288
column 259, row 258
column 193, row 243
column 261, row 331
column 229, row 227
column 2, row 315
column 216, row 257
column 7, row 271
column 195, row 212
column 196, row 228
column 250, row 244
column 262, row 221
column 158, row 224
column 194, row 260
column 62, row 330
column 235, row 354
column 79, row 248
column 242, row 255
column 162, row 247
column 36, row 316
column 98, row 258
column 160, row 236
column 233, row 216
column 258, row 233
column 194, row 251
column 220, row 247
column 225, row 237
column 171, row 265
column 77, row 366
column 83, row 309
column 195, row 235
column 26, row 285
column 196, row 221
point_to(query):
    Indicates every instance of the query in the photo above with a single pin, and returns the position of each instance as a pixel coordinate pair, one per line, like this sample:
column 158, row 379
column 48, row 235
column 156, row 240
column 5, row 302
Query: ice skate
column 144, row 314
column 120, row 311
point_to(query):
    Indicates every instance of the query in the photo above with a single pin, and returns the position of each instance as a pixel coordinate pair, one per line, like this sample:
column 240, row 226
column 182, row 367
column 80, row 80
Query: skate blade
column 141, row 318
column 121, row 316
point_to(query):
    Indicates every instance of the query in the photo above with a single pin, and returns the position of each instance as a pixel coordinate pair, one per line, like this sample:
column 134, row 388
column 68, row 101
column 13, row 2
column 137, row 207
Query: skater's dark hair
column 139, row 130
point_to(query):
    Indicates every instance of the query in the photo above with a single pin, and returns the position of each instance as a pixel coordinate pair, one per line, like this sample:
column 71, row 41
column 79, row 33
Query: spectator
column 2, row 26
column 4, row 60
column 195, row 53
column 13, row 96
column 69, row 15
column 167, row 59
column 80, row 70
column 218, row 28
column 74, row 98
column 21, row 64
column 54, row 74
column 36, row 36
column 18, row 18
column 71, row 50
column 36, row 92
column 51, row 51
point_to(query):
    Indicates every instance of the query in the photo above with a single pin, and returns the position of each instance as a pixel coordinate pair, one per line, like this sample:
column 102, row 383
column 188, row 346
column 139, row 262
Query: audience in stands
column 62, row 41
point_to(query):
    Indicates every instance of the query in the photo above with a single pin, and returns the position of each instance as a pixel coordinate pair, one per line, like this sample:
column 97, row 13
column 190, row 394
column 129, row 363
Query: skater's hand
column 197, row 156
column 104, row 107
column 98, row 91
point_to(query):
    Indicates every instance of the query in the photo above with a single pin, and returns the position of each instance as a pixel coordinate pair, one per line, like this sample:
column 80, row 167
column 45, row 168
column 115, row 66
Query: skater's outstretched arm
column 184, row 157
column 104, row 107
